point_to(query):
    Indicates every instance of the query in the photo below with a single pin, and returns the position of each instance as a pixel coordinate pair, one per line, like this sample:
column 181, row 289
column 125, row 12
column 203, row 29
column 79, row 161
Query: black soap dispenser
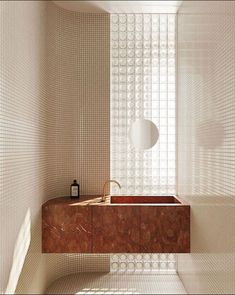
column 74, row 189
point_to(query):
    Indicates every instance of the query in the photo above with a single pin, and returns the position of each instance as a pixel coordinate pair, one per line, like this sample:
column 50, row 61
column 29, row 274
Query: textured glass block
column 138, row 36
column 171, row 265
column 155, row 28
column 114, row 266
column 131, row 44
column 139, row 265
column 171, row 37
column 163, row 87
column 130, row 96
column 130, row 79
column 114, row 18
column 147, row 79
column 147, row 61
column 138, row 70
column 130, row 53
column 138, row 18
column 163, row 265
column 147, row 44
column 171, row 88
column 143, row 78
column 122, row 78
column 115, row 44
column 130, row 61
column 147, row 71
column 122, row 44
column 155, row 36
column 171, row 113
column 122, row 36
column 122, row 18
column 139, row 44
column 115, row 53
column 122, row 28
column 122, row 70
column 138, row 96
column 137, row 114
column 147, row 18
column 147, row 37
column 171, row 62
column 115, row 79
column 139, row 27
column 155, row 45
column 122, row 53
column 130, row 36
column 155, row 18
column 147, row 87
column 130, row 87
column 138, row 61
column 147, row 53
column 115, row 28
column 130, row 70
column 115, row 36
column 122, row 61
column 115, row 88
column 131, row 18
column 138, row 78
column 139, row 53
column 130, row 27
column 115, row 70
column 122, row 87
column 115, row 62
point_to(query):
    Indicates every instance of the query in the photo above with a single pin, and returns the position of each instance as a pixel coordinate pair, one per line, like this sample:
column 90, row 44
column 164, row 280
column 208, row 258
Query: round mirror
column 143, row 134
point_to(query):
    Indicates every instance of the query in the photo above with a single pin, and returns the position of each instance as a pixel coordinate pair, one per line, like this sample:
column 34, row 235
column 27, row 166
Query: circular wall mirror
column 143, row 134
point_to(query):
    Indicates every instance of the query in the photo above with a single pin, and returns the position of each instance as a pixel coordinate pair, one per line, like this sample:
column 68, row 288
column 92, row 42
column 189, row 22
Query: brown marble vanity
column 121, row 224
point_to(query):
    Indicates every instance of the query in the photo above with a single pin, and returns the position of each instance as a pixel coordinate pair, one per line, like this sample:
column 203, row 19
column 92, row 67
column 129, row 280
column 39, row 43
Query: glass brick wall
column 144, row 263
column 143, row 86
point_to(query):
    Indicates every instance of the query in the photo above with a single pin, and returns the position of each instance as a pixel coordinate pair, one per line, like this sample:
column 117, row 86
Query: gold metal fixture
column 103, row 198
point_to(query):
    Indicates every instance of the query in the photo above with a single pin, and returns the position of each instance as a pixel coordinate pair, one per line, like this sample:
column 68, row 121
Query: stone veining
column 89, row 226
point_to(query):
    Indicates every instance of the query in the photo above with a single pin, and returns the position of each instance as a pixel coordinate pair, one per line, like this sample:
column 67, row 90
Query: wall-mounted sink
column 121, row 224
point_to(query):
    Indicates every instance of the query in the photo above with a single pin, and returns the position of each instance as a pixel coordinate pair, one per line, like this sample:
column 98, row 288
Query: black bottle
column 74, row 189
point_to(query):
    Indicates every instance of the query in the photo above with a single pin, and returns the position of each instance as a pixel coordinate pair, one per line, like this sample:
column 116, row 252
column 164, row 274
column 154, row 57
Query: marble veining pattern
column 87, row 226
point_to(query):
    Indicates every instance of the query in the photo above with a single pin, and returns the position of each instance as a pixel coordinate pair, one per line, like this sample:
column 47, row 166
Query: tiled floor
column 108, row 283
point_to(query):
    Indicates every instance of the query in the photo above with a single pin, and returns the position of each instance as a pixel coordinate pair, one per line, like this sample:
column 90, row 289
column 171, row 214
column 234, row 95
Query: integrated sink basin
column 121, row 224
column 144, row 200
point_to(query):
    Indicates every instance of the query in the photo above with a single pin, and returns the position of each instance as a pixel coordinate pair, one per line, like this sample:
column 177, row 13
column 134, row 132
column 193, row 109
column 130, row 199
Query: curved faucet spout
column 103, row 198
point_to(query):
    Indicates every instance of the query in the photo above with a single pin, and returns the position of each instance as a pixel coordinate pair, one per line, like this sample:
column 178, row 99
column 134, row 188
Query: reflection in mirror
column 143, row 134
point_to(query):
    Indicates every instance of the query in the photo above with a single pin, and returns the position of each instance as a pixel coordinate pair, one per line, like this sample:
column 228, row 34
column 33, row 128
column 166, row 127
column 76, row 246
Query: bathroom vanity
column 121, row 224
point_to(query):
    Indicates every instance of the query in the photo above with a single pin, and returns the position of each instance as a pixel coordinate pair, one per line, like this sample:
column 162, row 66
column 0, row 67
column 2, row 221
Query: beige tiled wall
column 54, row 117
column 78, row 91
column 23, row 140
column 206, row 142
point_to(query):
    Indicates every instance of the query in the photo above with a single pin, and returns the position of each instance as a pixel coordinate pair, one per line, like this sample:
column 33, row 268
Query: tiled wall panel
column 78, row 88
column 54, row 103
column 206, row 142
column 23, row 140
column 78, row 91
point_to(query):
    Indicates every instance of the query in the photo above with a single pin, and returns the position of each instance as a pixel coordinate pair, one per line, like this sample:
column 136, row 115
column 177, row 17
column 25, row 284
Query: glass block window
column 144, row 263
column 143, row 86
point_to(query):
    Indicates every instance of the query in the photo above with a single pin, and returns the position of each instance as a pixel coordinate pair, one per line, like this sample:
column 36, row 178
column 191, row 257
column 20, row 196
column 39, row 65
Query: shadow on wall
column 210, row 134
column 20, row 251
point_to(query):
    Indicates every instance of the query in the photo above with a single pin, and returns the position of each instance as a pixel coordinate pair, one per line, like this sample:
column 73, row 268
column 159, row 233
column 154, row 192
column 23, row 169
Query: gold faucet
column 103, row 198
